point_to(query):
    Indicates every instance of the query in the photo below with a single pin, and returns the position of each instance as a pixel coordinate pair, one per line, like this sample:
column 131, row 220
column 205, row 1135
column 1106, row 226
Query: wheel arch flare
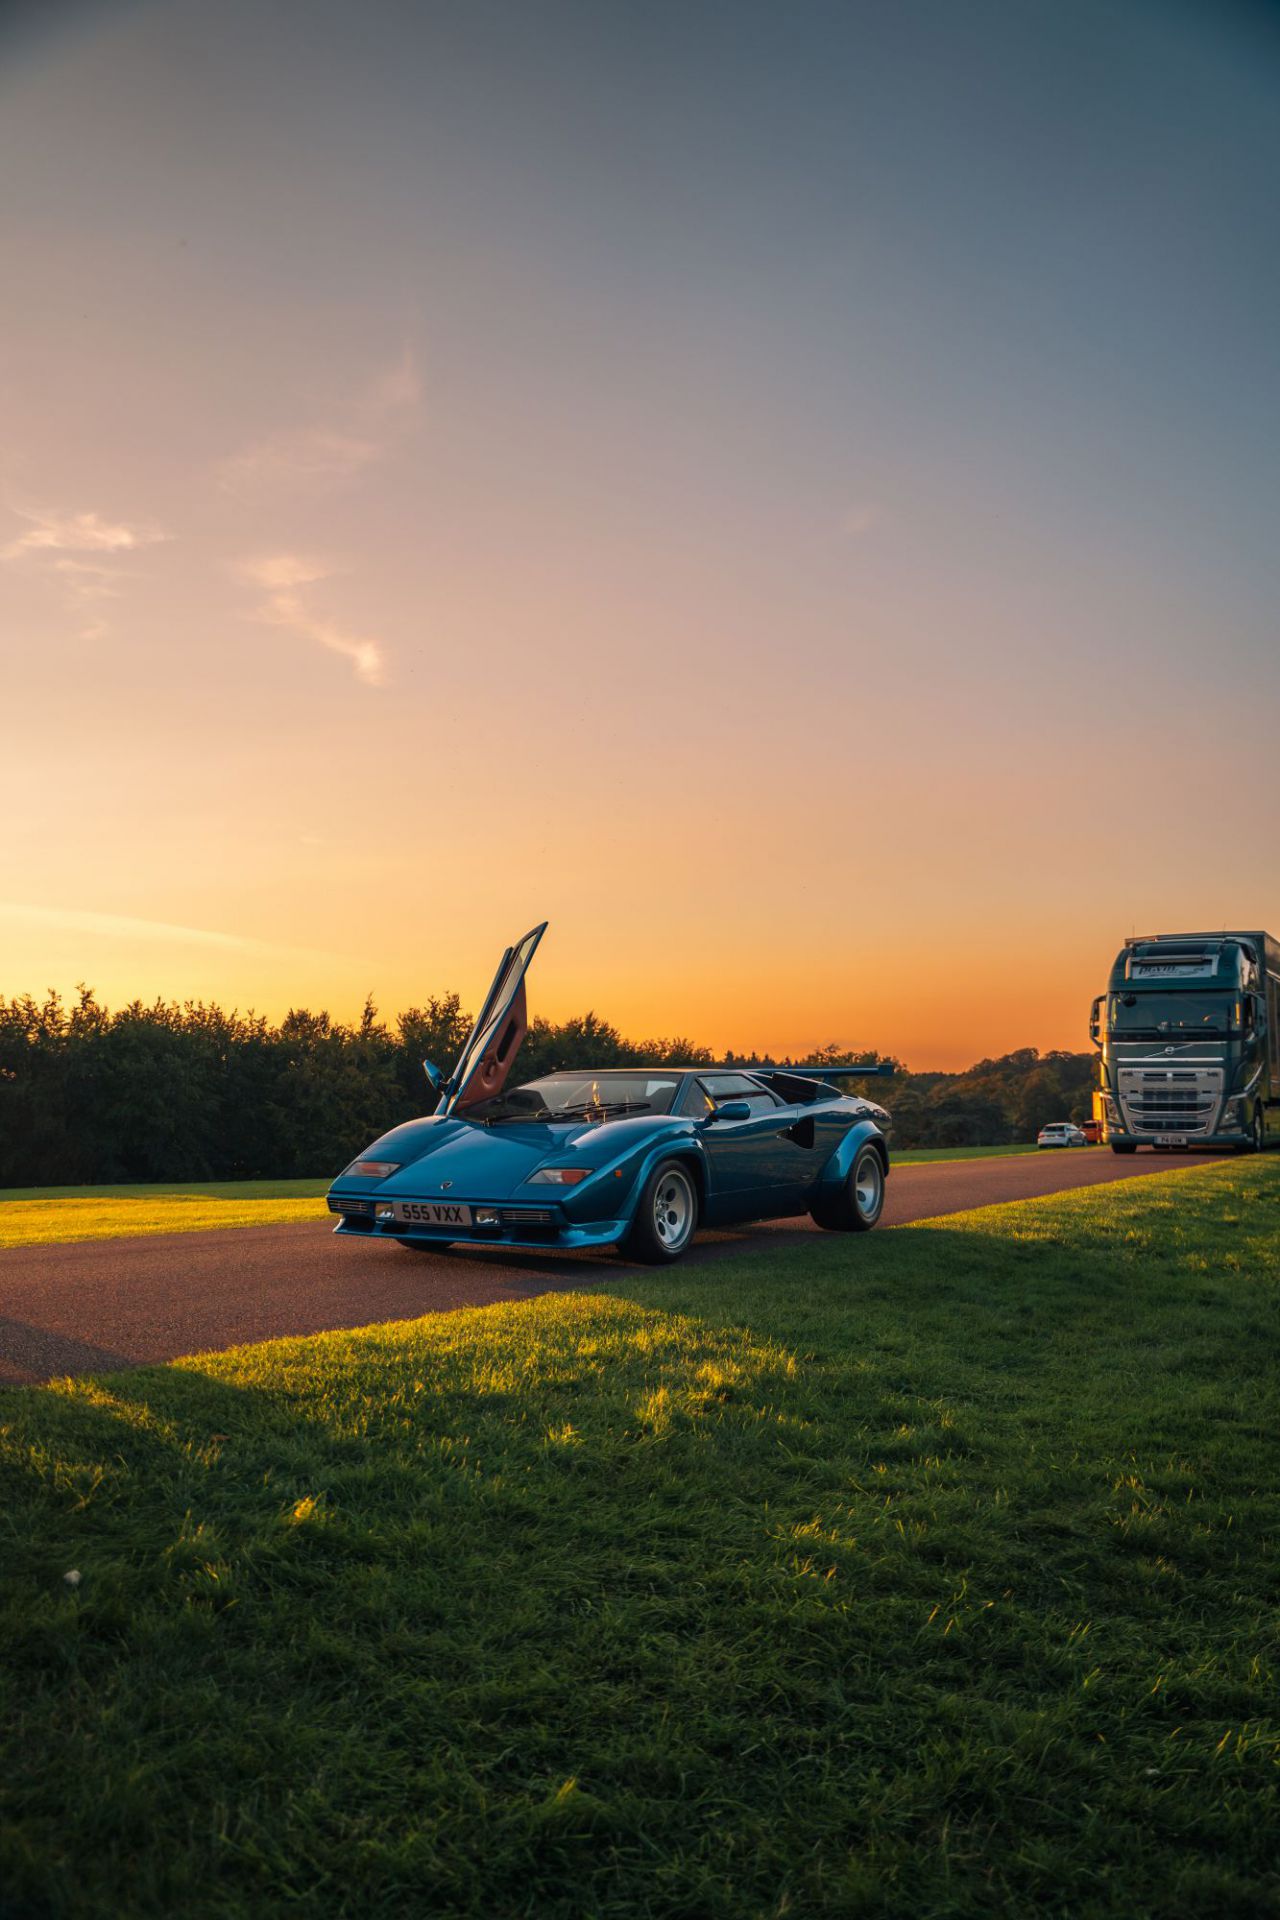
column 840, row 1165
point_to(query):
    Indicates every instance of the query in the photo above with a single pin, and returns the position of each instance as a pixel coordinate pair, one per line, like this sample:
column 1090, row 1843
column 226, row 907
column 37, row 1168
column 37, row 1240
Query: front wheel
column 1259, row 1142
column 1124, row 1146
column 665, row 1217
column 858, row 1204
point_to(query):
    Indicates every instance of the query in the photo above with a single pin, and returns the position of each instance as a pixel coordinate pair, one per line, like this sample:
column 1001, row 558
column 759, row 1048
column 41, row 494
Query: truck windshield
column 1163, row 1016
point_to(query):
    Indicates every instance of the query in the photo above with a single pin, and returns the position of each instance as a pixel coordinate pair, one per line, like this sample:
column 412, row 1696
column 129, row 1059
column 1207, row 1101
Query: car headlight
column 375, row 1169
column 558, row 1176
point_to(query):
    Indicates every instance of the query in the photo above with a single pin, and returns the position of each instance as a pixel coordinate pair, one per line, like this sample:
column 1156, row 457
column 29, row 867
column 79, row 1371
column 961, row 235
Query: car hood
column 489, row 1163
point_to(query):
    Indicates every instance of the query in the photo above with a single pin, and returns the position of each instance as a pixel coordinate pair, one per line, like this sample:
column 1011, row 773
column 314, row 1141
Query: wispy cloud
column 57, row 543
column 313, row 455
column 398, row 388
column 860, row 520
column 282, row 572
column 119, row 925
column 285, row 577
column 328, row 453
column 88, row 583
column 124, row 926
column 52, row 533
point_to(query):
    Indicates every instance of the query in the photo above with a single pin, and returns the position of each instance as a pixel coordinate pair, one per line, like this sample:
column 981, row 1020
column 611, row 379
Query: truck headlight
column 1230, row 1121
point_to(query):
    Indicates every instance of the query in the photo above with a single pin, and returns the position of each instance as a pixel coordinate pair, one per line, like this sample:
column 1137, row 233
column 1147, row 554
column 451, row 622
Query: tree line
column 166, row 1092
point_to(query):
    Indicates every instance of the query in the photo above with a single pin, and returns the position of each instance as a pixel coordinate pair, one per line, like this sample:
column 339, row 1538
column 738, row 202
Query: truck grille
column 1170, row 1099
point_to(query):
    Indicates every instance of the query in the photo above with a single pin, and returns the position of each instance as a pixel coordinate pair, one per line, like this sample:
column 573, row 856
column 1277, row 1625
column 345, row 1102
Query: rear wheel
column 858, row 1204
column 665, row 1218
column 1124, row 1146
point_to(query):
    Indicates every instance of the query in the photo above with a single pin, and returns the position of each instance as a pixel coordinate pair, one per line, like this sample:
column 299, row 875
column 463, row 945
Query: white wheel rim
column 673, row 1209
column 868, row 1184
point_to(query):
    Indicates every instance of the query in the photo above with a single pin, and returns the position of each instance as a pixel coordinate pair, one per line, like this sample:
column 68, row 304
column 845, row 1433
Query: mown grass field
column 190, row 1189
column 31, row 1216
column 930, row 1574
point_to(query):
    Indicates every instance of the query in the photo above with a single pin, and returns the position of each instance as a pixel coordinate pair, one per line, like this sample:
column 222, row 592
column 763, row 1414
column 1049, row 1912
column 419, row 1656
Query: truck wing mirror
column 1095, row 1016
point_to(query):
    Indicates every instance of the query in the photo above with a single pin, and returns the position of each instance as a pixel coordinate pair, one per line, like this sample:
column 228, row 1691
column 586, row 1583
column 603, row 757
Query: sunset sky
column 787, row 493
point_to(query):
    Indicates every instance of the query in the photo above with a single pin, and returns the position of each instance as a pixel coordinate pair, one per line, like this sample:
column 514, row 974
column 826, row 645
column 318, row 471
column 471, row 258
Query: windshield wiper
column 548, row 1116
column 602, row 1107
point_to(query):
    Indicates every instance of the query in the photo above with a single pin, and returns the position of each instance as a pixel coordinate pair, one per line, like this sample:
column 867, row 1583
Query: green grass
column 925, row 1574
column 187, row 1189
column 109, row 1213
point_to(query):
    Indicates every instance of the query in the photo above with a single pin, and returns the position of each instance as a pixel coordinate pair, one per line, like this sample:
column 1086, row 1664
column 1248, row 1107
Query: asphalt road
column 90, row 1305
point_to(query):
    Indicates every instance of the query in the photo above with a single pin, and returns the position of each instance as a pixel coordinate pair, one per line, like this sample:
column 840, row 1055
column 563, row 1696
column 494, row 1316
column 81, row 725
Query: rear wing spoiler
column 852, row 1072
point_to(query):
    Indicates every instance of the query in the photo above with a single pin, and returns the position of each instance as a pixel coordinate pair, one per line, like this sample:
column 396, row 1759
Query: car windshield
column 1151, row 1016
column 591, row 1096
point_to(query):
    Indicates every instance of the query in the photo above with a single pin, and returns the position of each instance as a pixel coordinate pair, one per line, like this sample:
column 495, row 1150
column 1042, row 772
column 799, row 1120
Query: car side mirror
column 435, row 1079
column 731, row 1110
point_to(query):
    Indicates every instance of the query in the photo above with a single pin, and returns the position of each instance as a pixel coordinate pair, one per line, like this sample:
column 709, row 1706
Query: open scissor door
column 494, row 1040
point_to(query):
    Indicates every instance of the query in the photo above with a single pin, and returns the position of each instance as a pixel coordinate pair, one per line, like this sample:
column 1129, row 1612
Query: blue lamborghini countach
column 630, row 1157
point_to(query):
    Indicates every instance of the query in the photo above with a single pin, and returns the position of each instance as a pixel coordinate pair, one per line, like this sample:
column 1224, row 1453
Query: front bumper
column 1196, row 1142
column 526, row 1226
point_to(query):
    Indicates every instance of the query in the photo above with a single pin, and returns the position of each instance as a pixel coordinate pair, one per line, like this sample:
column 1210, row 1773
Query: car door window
column 697, row 1102
column 737, row 1086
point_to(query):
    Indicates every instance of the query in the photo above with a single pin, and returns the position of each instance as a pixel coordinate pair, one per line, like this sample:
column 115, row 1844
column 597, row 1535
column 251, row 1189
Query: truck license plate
column 1171, row 1139
column 433, row 1213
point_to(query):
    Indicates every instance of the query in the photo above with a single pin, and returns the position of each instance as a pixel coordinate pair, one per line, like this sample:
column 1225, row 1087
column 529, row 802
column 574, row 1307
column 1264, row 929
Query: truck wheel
column 1259, row 1129
column 858, row 1204
column 1124, row 1146
column 666, row 1216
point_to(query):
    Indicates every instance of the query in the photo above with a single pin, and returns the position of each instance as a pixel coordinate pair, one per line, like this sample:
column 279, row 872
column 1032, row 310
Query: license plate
column 433, row 1213
column 1171, row 1139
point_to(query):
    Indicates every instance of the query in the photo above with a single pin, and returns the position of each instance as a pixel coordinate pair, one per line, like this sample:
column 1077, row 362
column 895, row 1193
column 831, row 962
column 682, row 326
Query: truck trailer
column 1188, row 1034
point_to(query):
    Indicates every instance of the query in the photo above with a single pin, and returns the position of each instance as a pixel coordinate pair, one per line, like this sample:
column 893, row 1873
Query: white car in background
column 1061, row 1133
